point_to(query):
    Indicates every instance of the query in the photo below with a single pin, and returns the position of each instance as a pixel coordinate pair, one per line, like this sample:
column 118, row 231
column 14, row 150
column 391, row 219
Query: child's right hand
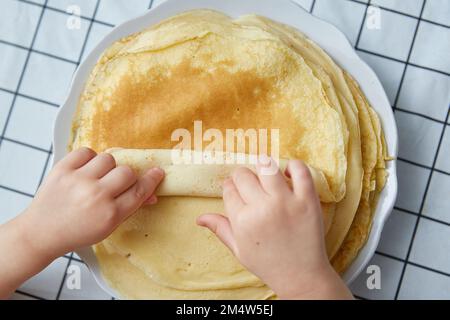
column 276, row 232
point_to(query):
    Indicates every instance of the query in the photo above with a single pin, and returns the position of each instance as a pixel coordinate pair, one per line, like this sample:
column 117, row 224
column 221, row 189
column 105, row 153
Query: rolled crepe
column 201, row 174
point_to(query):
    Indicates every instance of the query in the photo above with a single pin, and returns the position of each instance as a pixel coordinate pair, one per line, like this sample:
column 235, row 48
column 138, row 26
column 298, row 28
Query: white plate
column 326, row 35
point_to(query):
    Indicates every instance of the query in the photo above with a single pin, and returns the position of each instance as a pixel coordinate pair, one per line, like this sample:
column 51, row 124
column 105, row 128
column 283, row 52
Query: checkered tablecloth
column 40, row 49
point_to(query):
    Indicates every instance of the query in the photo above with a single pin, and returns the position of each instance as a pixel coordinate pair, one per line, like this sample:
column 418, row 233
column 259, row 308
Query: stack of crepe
column 250, row 72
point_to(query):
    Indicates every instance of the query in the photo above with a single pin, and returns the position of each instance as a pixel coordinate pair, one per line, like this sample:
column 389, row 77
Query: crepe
column 132, row 283
column 220, row 70
column 185, row 177
column 247, row 73
column 143, row 237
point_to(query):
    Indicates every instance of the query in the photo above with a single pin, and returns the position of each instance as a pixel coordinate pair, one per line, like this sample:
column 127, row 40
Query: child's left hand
column 84, row 198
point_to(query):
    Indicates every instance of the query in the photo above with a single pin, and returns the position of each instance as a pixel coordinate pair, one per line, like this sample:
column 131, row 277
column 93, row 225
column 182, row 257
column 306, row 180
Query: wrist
column 36, row 237
column 19, row 259
column 323, row 284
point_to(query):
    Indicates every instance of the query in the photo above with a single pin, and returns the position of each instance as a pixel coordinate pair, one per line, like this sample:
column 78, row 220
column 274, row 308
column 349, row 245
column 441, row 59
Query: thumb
column 221, row 227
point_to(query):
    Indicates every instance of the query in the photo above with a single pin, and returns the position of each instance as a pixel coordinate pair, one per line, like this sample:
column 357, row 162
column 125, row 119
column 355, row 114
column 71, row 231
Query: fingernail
column 152, row 200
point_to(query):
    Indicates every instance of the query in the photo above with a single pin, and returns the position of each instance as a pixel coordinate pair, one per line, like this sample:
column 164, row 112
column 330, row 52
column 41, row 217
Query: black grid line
column 24, row 144
column 401, row 61
column 417, row 265
column 427, row 187
column 423, row 166
column 83, row 48
column 29, row 295
column 23, row 72
column 63, row 280
column 9, row 43
column 73, row 258
column 423, row 216
column 409, row 55
column 420, row 115
column 23, row 193
column 30, row 97
column 47, row 162
column 313, row 4
column 361, row 27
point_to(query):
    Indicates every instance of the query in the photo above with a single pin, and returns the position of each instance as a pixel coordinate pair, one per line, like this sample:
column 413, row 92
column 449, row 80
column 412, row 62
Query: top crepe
column 244, row 73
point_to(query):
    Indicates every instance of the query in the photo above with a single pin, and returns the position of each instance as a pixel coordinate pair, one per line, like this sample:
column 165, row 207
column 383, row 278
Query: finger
column 270, row 176
column 119, row 180
column 248, row 185
column 134, row 197
column 76, row 159
column 221, row 227
column 301, row 177
column 231, row 198
column 99, row 166
column 152, row 200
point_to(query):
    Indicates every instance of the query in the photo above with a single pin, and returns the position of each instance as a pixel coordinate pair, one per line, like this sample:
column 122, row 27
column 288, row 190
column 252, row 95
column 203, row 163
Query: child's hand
column 84, row 199
column 276, row 232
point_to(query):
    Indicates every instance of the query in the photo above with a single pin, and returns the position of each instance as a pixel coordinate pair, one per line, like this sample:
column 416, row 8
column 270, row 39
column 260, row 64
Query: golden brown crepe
column 246, row 73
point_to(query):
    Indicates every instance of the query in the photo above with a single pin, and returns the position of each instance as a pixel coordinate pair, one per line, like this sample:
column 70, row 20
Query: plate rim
column 325, row 34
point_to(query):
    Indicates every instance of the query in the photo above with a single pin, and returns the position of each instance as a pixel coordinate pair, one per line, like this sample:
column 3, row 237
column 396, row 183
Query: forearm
column 323, row 285
column 19, row 261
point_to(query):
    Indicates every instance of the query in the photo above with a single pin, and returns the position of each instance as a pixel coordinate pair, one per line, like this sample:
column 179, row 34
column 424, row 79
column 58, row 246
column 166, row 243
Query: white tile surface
column 18, row 21
column 422, row 284
column 443, row 160
column 46, row 283
column 5, row 104
column 41, row 80
column 97, row 33
column 20, row 167
column 411, row 7
column 412, row 181
column 437, row 204
column 66, row 41
column 32, row 122
column 306, row 4
column 12, row 204
column 425, row 92
column 431, row 246
column 397, row 234
column 390, row 271
column 9, row 53
column 388, row 71
column 394, row 37
column 417, row 133
column 437, row 11
column 345, row 15
column 431, row 47
column 89, row 289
